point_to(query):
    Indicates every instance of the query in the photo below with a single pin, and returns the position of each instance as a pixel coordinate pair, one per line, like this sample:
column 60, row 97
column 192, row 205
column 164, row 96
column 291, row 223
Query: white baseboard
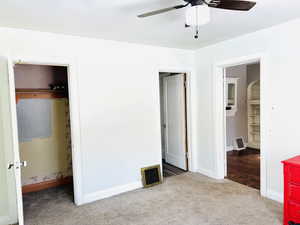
column 229, row 148
column 276, row 196
column 111, row 192
column 208, row 173
column 273, row 195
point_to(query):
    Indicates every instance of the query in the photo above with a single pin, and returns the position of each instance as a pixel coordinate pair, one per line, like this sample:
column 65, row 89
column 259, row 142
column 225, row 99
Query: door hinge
column 187, row 155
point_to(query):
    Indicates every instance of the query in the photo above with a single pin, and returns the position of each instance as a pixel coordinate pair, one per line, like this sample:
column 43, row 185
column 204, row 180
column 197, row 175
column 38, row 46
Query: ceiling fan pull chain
column 197, row 32
column 197, row 25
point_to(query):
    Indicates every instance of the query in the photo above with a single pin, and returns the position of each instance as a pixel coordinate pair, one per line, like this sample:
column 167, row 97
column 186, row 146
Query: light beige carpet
column 186, row 199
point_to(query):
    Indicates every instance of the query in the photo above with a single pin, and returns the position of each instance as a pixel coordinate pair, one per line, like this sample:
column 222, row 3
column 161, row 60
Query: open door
column 10, row 182
column 175, row 120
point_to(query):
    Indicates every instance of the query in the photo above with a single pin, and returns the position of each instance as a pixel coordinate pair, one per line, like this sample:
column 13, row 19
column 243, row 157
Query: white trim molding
column 98, row 195
column 276, row 196
column 209, row 173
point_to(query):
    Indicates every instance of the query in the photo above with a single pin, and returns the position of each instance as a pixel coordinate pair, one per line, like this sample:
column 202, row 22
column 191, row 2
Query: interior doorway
column 44, row 136
column 242, row 103
column 173, row 105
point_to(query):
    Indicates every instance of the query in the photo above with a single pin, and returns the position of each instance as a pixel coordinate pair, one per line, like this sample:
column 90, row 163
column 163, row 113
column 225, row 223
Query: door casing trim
column 219, row 114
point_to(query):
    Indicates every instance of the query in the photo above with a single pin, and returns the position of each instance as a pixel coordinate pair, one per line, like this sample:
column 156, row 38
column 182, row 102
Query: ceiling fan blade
column 232, row 5
column 156, row 12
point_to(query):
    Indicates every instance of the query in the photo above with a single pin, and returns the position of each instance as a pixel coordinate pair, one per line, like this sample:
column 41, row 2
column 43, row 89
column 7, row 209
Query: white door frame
column 74, row 114
column 188, row 73
column 219, row 114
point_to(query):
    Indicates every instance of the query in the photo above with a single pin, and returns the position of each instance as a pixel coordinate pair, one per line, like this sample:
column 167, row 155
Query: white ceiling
column 116, row 20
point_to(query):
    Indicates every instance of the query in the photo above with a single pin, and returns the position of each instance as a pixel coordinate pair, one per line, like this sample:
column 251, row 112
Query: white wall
column 119, row 102
column 281, row 45
column 36, row 76
column 236, row 126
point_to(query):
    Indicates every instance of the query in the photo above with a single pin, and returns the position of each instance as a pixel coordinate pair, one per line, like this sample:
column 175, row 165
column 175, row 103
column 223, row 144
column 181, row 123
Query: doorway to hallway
column 173, row 123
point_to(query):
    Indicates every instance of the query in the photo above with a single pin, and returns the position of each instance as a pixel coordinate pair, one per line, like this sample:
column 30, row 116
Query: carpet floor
column 186, row 199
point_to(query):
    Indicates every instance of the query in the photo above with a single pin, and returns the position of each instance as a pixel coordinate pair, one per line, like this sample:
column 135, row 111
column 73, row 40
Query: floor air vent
column 151, row 175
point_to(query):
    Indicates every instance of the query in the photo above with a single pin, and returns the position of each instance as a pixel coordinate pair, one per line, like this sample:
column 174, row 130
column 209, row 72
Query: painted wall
column 36, row 76
column 280, row 113
column 118, row 93
column 236, row 126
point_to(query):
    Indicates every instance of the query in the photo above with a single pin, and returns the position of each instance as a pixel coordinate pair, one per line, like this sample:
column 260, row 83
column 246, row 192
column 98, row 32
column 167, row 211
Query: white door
column 10, row 182
column 175, row 121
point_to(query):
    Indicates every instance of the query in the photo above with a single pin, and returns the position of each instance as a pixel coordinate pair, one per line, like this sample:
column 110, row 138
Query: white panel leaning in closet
column 44, row 139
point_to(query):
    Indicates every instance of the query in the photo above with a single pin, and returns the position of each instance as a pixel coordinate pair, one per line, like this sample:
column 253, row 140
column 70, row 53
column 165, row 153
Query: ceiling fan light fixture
column 197, row 15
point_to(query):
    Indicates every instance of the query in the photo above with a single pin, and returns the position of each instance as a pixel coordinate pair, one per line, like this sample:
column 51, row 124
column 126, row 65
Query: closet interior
column 44, row 131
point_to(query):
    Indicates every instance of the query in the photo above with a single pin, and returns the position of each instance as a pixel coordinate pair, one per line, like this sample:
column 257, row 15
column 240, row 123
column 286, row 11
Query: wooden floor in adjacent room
column 170, row 170
column 244, row 167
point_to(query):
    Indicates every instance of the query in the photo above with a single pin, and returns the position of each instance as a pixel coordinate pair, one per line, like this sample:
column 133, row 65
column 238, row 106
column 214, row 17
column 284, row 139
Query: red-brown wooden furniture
column 291, row 191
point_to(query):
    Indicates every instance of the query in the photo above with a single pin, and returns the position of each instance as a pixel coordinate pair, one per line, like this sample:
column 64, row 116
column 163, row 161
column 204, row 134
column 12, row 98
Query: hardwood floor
column 244, row 167
column 170, row 170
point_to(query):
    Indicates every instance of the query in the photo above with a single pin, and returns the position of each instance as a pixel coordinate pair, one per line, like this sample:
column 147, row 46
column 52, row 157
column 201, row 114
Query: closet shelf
column 38, row 91
column 40, row 94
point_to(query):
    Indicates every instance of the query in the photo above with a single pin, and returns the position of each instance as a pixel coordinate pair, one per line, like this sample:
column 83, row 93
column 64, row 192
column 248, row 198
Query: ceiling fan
column 199, row 14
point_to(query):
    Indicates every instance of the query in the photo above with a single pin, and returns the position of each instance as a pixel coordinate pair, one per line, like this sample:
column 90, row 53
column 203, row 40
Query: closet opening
column 44, row 135
column 242, row 102
column 173, row 110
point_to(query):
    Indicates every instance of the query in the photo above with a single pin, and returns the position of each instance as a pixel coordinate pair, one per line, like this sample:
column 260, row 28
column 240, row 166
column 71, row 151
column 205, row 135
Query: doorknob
column 23, row 164
column 11, row 165
column 17, row 165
